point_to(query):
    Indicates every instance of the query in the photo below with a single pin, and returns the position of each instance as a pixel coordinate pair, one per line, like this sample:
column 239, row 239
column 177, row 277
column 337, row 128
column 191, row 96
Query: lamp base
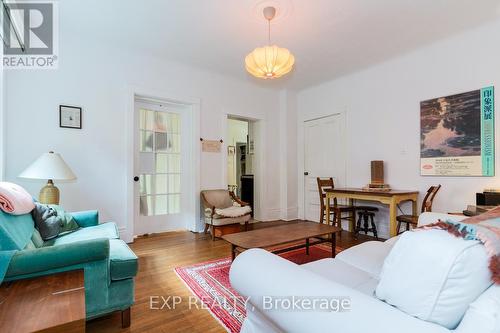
column 49, row 194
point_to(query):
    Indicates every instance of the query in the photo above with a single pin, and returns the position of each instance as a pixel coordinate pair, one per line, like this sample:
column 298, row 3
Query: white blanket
column 234, row 211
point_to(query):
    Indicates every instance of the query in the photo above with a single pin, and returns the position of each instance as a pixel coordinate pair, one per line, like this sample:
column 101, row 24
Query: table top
column 41, row 303
column 287, row 233
column 352, row 190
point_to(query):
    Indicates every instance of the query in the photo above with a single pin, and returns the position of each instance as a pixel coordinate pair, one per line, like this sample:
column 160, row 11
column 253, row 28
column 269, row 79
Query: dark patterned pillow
column 47, row 221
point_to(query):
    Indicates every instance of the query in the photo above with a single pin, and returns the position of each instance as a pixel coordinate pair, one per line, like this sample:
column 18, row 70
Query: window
column 160, row 147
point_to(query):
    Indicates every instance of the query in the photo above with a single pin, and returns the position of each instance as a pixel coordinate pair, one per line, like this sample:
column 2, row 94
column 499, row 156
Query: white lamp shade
column 49, row 166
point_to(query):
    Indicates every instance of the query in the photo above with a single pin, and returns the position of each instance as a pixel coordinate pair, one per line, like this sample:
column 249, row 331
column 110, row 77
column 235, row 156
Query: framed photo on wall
column 457, row 135
column 70, row 116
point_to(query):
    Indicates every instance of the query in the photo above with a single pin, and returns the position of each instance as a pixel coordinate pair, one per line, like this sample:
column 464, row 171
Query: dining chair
column 336, row 210
column 426, row 207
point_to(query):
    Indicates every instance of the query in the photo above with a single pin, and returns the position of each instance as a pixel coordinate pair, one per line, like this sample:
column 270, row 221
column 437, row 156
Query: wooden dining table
column 389, row 197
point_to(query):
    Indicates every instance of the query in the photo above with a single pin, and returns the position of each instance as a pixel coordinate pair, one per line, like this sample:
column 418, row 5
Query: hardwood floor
column 158, row 255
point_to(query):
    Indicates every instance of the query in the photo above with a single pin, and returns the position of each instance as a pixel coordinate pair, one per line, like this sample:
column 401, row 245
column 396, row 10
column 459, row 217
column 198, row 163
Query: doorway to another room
column 241, row 158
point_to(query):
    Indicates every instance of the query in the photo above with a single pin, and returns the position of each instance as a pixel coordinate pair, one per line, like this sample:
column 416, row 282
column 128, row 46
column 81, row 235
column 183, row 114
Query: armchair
column 216, row 200
column 108, row 263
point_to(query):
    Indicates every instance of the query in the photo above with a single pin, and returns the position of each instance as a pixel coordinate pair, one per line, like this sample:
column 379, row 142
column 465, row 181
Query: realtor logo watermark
column 30, row 34
column 306, row 303
column 267, row 303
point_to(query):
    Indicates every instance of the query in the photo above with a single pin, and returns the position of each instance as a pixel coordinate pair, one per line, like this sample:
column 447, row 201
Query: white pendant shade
column 49, row 166
column 269, row 62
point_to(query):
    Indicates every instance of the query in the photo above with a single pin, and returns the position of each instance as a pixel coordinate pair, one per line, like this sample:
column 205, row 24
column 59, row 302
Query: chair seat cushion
column 233, row 211
column 407, row 219
column 105, row 230
column 228, row 220
column 122, row 260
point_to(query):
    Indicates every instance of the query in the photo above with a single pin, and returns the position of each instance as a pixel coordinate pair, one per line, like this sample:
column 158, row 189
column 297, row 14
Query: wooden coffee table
column 311, row 232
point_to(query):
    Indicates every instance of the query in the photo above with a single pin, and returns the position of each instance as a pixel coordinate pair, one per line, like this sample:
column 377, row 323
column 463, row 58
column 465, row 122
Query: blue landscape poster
column 457, row 135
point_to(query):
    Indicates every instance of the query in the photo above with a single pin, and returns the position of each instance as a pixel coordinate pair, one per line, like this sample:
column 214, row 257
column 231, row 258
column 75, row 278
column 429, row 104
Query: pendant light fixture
column 270, row 61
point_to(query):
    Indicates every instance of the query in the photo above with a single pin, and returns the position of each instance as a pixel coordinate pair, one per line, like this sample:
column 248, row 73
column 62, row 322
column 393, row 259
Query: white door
column 160, row 153
column 323, row 157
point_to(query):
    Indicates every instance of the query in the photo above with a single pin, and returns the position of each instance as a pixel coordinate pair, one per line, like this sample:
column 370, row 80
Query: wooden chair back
column 429, row 198
column 323, row 184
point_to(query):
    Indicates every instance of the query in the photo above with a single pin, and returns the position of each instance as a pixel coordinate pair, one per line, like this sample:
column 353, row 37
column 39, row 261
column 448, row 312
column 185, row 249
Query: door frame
column 258, row 166
column 301, row 155
column 193, row 221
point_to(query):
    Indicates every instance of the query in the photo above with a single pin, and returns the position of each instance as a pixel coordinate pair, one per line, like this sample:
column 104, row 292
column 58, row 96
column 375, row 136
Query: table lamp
column 52, row 167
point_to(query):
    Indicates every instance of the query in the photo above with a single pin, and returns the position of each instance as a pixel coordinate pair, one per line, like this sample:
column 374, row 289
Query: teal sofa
column 109, row 264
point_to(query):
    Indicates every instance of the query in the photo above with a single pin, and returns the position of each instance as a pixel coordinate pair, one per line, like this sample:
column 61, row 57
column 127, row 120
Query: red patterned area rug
column 209, row 281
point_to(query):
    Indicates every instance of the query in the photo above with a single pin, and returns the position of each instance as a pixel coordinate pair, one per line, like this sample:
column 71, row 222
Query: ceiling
column 329, row 38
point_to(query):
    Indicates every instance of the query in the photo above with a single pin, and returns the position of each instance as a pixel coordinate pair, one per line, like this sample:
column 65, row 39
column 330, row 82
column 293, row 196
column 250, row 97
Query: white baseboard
column 291, row 213
column 272, row 214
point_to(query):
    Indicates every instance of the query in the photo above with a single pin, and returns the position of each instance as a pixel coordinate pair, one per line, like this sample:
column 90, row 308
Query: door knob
column 136, row 179
column 306, row 173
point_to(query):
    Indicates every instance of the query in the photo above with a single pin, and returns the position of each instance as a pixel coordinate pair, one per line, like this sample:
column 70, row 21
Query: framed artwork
column 231, row 150
column 457, row 135
column 70, row 116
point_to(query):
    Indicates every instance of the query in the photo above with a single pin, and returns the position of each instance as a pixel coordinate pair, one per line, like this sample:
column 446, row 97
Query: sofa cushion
column 483, row 314
column 343, row 273
column 105, row 230
column 36, row 238
column 431, row 217
column 434, row 276
column 15, row 231
column 123, row 262
column 368, row 256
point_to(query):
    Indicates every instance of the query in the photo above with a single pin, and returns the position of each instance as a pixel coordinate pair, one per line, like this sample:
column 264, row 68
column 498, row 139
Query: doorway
column 161, row 156
column 241, row 158
column 324, row 156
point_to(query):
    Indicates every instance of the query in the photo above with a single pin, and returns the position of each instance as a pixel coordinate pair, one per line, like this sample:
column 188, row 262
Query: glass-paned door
column 158, row 166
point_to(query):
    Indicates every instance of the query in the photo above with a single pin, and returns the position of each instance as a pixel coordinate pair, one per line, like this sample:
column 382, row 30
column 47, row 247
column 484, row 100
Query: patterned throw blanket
column 484, row 228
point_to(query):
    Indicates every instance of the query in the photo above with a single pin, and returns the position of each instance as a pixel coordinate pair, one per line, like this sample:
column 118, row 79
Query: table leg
column 307, row 246
column 414, row 206
column 334, row 244
column 233, row 252
column 352, row 216
column 327, row 209
column 392, row 218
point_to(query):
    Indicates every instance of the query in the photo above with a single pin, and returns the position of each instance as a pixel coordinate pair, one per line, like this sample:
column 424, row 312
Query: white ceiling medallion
column 284, row 9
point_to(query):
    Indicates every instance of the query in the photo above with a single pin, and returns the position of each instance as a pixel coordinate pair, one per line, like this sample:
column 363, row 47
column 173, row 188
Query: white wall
column 97, row 78
column 382, row 107
column 288, row 154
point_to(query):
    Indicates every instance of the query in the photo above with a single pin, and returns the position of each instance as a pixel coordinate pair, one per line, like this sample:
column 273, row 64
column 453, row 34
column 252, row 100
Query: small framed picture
column 231, row 150
column 70, row 116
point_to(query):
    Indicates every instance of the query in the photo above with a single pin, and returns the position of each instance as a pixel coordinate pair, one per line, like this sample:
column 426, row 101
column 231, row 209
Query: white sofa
column 354, row 273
